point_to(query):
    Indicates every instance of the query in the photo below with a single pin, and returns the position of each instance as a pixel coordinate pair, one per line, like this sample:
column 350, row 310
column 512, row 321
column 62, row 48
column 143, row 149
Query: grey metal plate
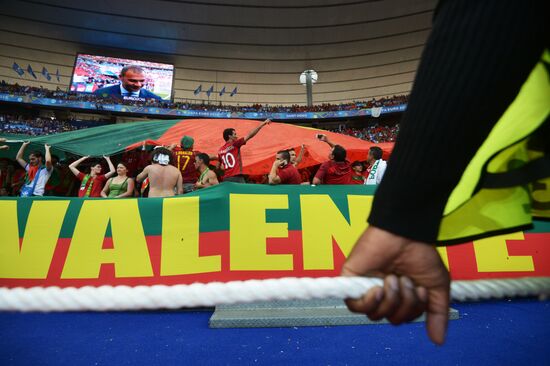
column 295, row 313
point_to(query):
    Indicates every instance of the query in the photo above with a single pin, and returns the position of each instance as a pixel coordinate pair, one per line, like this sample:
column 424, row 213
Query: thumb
column 437, row 316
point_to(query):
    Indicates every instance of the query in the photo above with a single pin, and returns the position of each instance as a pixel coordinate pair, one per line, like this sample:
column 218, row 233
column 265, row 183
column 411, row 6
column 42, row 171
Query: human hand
column 47, row 147
column 266, row 122
column 415, row 280
column 106, row 157
column 277, row 163
column 25, row 143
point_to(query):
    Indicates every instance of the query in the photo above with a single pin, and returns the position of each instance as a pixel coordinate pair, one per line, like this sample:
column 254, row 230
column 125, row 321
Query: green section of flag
column 97, row 141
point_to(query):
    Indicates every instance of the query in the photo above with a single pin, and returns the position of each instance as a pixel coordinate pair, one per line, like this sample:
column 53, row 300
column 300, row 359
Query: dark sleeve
column 473, row 65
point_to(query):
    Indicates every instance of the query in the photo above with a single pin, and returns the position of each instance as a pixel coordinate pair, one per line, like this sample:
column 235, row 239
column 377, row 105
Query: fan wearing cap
column 184, row 160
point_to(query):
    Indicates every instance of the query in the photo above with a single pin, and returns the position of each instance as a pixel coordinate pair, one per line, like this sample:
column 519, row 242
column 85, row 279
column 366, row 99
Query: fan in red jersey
column 184, row 157
column 230, row 153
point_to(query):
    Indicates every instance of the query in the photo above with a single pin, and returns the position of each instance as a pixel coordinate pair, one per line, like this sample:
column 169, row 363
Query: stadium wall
column 358, row 54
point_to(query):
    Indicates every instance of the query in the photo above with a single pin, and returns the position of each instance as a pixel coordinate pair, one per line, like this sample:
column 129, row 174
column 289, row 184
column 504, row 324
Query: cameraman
column 282, row 171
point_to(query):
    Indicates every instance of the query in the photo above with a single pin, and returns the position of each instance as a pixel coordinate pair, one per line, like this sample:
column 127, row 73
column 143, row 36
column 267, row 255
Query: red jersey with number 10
column 230, row 156
column 185, row 162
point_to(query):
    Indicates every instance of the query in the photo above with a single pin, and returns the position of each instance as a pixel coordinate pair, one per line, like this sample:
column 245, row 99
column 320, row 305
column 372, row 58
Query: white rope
column 215, row 293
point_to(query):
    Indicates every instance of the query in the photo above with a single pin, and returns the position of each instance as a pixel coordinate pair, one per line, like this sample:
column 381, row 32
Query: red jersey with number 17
column 185, row 162
column 230, row 156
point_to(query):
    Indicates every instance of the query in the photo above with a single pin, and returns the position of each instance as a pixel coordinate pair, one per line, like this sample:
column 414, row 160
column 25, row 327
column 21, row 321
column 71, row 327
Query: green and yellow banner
column 222, row 233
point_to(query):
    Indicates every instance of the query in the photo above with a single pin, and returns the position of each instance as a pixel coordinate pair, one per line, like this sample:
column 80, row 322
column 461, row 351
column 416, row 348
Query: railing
column 190, row 113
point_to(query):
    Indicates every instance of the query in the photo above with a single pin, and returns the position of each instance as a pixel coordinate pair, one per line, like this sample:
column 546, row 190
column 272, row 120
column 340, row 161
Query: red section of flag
column 259, row 153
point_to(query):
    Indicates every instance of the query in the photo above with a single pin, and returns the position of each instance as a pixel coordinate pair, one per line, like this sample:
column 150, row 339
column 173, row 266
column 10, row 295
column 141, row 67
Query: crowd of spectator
column 374, row 133
column 127, row 174
column 37, row 126
column 62, row 177
column 16, row 124
column 16, row 89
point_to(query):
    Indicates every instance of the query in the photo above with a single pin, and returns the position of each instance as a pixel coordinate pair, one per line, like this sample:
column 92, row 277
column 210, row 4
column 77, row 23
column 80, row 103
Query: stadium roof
column 361, row 49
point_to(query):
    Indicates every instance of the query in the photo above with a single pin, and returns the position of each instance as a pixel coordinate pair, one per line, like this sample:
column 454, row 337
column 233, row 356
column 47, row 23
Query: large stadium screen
column 92, row 73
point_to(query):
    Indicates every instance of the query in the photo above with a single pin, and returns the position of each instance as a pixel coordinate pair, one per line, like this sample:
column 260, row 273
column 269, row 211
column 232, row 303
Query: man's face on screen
column 132, row 80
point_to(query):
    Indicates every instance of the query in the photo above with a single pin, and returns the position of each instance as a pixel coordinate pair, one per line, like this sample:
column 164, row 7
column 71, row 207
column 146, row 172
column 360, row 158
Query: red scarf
column 31, row 173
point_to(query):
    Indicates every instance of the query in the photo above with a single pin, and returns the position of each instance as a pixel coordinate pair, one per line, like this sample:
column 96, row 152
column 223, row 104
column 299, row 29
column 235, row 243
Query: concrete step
column 295, row 313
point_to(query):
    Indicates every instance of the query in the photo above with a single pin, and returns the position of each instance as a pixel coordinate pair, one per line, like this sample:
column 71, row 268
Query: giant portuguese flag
column 258, row 154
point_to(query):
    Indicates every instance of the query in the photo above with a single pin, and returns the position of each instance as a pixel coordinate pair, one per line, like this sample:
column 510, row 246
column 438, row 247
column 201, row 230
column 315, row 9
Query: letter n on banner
column 322, row 222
